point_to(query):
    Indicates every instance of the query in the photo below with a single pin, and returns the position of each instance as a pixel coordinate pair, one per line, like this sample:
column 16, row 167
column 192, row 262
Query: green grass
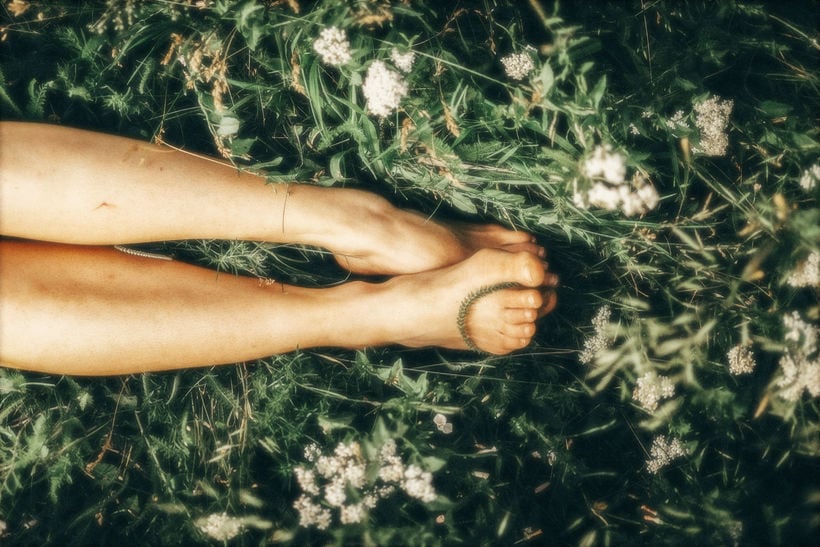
column 544, row 448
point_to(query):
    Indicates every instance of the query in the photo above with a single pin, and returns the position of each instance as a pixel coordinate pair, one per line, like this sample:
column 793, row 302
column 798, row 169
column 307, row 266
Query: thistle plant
column 664, row 152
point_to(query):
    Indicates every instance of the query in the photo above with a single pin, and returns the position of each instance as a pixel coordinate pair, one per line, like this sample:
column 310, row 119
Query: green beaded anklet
column 464, row 309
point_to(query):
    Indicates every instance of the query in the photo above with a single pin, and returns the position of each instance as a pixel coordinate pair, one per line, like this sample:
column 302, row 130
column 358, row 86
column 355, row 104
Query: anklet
column 464, row 309
column 143, row 254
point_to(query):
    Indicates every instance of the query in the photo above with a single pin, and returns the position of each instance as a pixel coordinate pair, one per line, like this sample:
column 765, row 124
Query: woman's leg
column 95, row 311
column 71, row 186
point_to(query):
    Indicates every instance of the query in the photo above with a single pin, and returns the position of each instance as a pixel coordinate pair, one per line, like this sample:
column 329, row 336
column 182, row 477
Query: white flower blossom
column 599, row 340
column 418, row 484
column 383, row 88
column 651, row 389
column 606, row 164
column 403, row 61
column 809, row 178
column 307, row 480
column 312, row 452
column 339, row 483
column 609, row 189
column 335, row 493
column 219, row 526
column 741, row 360
column 351, row 514
column 677, row 121
column 663, row 452
column 712, row 121
column 517, row 65
column 312, row 514
column 800, row 363
column 333, row 46
column 442, row 424
column 807, row 274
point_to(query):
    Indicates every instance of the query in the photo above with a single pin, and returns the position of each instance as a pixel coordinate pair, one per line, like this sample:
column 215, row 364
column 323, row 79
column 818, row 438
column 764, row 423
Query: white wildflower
column 442, row 424
column 403, row 61
column 339, row 483
column 383, row 88
column 712, row 120
column 677, row 121
column 646, row 114
column 651, row 389
column 333, row 46
column 606, row 164
column 646, row 196
column 807, row 274
column 741, row 360
column 801, row 333
column 800, row 363
column 347, row 451
column 810, row 177
column 312, row 514
column 517, row 65
column 354, row 473
column 663, row 452
column 633, row 129
column 307, row 480
column 327, row 466
column 604, row 196
column 351, row 514
column 335, row 493
column 391, row 470
column 599, row 340
column 220, row 526
column 609, row 189
column 312, row 452
column 418, row 484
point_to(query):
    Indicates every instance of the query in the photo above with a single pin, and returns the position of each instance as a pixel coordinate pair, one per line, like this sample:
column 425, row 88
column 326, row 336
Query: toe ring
column 464, row 309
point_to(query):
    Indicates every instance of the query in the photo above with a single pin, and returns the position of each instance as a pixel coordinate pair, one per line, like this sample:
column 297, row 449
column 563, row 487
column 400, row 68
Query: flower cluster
column 333, row 46
column 807, row 274
column 442, row 424
column 809, row 178
column 663, row 452
column 712, row 120
column 741, row 360
column 340, row 481
column 383, row 88
column 651, row 389
column 800, row 363
column 608, row 188
column 600, row 340
column 220, row 526
column 517, row 65
column 403, row 61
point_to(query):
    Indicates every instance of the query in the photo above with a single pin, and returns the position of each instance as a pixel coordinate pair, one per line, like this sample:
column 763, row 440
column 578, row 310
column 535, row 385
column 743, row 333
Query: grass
column 544, row 448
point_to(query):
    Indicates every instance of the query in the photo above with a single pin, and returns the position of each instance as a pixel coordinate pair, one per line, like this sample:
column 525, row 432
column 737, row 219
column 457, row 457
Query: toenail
column 542, row 252
column 552, row 280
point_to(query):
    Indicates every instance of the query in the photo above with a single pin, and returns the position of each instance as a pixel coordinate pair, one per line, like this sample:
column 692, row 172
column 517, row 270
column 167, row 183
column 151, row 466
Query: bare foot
column 391, row 241
column 424, row 307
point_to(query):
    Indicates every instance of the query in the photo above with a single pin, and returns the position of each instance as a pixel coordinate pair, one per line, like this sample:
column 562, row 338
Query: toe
column 516, row 316
column 524, row 298
column 549, row 303
column 513, row 344
column 525, row 247
column 524, row 330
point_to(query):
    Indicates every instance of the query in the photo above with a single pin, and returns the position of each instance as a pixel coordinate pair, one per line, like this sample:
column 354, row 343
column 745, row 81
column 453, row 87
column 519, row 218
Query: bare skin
column 96, row 311
column 100, row 189
column 72, row 307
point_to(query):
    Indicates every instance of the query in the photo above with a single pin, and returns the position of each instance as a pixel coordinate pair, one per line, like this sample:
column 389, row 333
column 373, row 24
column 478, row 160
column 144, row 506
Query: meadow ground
column 666, row 153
